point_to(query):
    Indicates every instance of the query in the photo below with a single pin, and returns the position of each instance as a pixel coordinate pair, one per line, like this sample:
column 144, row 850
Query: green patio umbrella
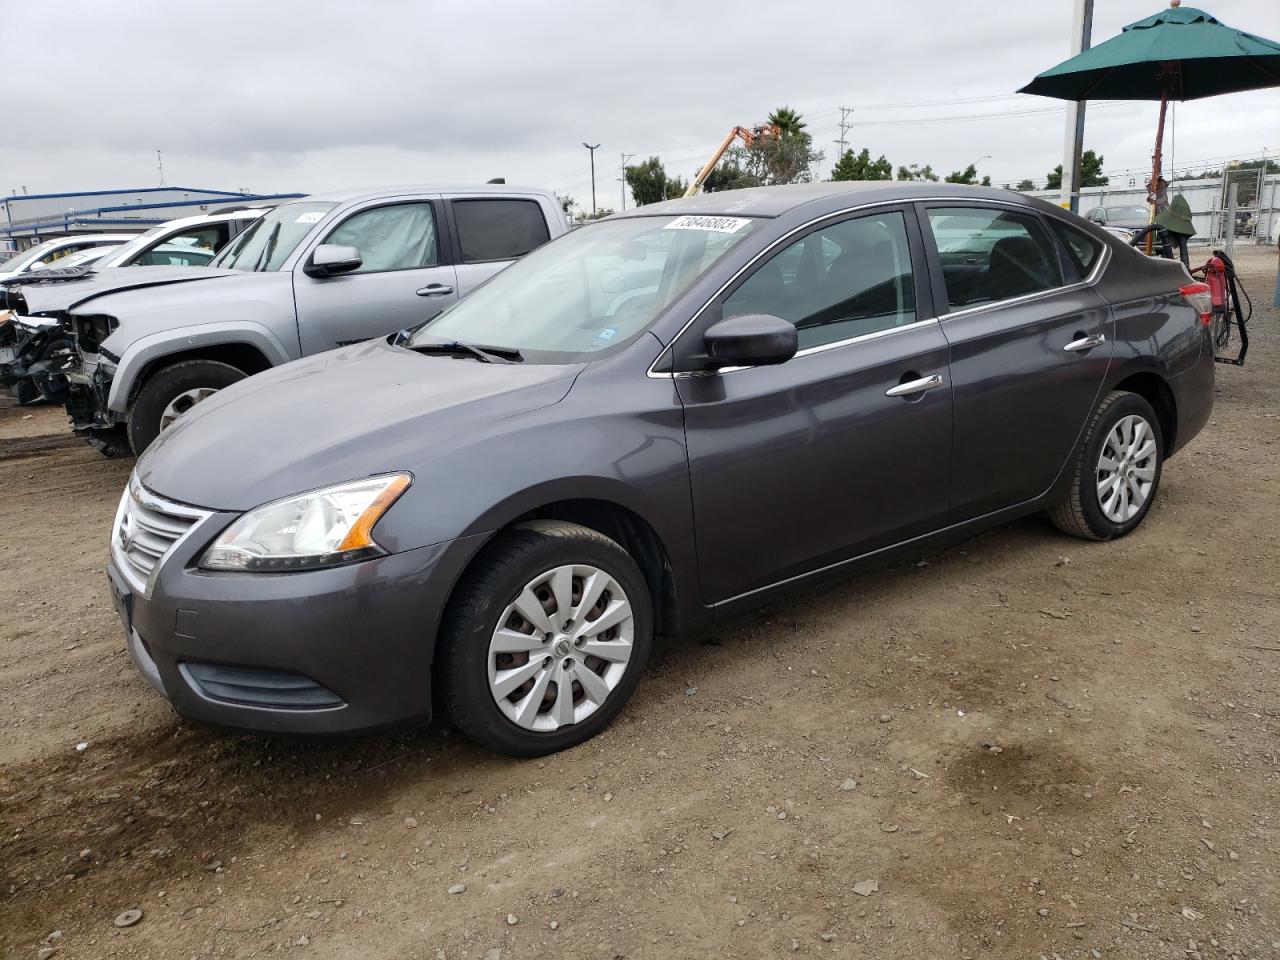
column 1177, row 54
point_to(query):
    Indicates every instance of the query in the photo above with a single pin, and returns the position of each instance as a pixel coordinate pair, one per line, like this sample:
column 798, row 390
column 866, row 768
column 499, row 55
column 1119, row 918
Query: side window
column 401, row 236
column 990, row 255
column 191, row 248
column 846, row 280
column 1082, row 250
column 498, row 229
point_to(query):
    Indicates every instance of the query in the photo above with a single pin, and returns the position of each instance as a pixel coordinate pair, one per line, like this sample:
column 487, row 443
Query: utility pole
column 623, row 178
column 1081, row 40
column 592, row 150
column 845, row 124
column 160, row 166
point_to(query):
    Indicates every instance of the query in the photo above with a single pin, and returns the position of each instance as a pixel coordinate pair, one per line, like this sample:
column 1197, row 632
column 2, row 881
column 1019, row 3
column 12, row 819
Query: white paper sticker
column 313, row 217
column 713, row 224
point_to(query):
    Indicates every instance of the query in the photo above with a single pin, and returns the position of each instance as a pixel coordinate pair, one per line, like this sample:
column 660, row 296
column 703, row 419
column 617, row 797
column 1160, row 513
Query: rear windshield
column 268, row 243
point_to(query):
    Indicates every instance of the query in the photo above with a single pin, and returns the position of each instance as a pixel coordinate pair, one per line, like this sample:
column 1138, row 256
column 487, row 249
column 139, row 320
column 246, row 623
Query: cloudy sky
column 306, row 96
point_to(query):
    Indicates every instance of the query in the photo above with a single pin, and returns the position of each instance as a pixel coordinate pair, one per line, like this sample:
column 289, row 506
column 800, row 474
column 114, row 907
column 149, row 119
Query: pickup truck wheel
column 544, row 640
column 1117, row 473
column 171, row 392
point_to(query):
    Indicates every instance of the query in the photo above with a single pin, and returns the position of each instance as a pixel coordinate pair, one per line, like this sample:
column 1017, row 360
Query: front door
column 403, row 280
column 1030, row 347
column 844, row 448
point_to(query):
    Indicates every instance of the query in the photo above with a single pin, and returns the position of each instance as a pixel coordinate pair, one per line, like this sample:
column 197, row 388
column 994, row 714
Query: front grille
column 259, row 687
column 147, row 527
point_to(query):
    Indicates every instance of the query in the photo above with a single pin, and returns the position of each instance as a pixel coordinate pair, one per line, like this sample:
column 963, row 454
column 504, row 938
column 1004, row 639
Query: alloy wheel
column 1126, row 470
column 182, row 403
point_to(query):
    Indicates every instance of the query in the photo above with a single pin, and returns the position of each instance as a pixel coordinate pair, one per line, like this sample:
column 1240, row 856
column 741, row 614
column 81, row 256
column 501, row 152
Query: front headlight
column 323, row 528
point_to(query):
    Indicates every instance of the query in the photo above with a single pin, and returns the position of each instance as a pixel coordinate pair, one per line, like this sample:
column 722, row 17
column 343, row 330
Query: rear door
column 491, row 232
column 1030, row 346
column 406, row 276
column 840, row 450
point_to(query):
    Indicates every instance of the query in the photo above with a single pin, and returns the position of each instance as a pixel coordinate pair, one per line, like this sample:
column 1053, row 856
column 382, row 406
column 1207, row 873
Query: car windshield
column 593, row 290
column 25, row 259
column 267, row 244
column 140, row 242
column 1126, row 213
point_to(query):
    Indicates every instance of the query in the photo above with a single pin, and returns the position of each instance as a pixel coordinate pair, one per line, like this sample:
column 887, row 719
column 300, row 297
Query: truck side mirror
column 331, row 259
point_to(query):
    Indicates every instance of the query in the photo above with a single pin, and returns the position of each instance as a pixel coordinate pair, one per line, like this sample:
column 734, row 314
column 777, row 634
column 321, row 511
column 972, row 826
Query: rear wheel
column 545, row 640
column 173, row 391
column 1117, row 473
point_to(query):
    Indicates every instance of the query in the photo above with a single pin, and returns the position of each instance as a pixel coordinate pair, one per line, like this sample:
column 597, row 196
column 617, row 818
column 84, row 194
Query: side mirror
column 750, row 339
column 331, row 259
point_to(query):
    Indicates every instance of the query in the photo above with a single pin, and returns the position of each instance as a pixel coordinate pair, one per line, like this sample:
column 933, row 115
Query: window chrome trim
column 901, row 202
column 806, row 352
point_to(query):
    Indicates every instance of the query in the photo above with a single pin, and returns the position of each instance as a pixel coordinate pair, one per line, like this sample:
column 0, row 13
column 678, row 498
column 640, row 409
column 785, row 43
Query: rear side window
column 498, row 229
column 990, row 255
column 1082, row 249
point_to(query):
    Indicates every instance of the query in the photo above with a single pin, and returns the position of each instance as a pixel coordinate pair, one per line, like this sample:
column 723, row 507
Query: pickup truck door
column 407, row 275
column 491, row 232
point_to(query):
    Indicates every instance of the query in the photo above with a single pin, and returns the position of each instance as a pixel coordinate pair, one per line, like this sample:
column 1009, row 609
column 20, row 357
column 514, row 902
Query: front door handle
column 912, row 387
column 435, row 290
column 1085, row 343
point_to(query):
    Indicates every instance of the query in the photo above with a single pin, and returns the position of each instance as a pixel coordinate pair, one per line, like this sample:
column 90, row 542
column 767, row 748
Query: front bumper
column 343, row 650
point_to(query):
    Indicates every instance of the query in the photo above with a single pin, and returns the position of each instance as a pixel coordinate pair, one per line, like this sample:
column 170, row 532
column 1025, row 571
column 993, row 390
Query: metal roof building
column 27, row 219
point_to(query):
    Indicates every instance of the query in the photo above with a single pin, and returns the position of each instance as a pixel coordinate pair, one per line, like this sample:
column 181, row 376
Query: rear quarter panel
column 1157, row 331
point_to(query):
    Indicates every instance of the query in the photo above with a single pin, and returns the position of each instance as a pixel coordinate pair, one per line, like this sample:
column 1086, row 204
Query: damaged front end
column 88, row 386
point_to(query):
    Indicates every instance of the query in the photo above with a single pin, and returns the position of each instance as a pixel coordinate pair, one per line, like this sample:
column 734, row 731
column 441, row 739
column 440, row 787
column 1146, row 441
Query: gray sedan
column 640, row 428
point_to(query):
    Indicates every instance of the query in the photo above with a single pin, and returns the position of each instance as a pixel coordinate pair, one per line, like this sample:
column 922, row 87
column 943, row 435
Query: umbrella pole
column 1156, row 162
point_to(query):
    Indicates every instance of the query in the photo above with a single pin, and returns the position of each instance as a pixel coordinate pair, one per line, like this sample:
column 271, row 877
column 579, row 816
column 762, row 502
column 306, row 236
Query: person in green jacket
column 1176, row 221
column 1174, row 228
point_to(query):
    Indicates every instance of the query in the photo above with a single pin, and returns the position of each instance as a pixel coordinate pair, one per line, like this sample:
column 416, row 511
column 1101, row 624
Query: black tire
column 495, row 579
column 165, row 385
column 1081, row 513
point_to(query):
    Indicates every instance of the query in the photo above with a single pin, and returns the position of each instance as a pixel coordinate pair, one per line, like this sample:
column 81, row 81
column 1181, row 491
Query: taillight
column 1200, row 298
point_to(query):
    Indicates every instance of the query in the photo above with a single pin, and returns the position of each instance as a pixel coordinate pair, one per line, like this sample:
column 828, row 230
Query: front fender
column 142, row 352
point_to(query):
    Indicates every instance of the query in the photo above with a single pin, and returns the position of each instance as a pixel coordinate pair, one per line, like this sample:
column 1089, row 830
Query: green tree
column 1090, row 173
column 968, row 175
column 769, row 160
column 650, row 183
column 788, row 122
column 1025, row 185
column 915, row 172
column 566, row 202
column 860, row 166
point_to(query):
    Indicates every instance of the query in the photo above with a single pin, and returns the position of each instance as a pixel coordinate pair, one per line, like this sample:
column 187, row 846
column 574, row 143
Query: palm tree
column 788, row 121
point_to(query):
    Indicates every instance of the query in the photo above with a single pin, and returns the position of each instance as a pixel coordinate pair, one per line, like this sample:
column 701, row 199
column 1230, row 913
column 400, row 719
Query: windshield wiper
column 483, row 354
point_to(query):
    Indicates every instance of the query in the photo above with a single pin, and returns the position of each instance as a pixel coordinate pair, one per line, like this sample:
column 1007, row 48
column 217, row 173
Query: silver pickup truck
column 311, row 275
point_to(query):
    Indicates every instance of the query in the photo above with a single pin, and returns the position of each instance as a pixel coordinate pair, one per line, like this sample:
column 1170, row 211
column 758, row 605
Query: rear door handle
column 912, row 387
column 435, row 290
column 1085, row 343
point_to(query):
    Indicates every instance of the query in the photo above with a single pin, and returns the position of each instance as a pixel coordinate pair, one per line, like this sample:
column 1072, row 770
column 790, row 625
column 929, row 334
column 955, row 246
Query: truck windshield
column 591, row 291
column 267, row 244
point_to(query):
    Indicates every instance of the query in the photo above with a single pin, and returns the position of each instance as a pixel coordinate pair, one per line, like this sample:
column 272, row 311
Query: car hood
column 349, row 413
column 69, row 293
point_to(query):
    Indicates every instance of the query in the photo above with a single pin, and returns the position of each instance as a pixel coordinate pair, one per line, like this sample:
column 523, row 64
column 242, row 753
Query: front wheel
column 1117, row 473
column 171, row 392
column 545, row 639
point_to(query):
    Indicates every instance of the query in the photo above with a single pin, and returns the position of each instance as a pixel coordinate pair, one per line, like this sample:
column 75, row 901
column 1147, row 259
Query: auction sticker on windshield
column 313, row 216
column 714, row 224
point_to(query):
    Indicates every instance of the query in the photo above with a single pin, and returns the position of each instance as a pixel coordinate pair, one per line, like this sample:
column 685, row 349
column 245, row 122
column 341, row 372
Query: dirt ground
column 1031, row 746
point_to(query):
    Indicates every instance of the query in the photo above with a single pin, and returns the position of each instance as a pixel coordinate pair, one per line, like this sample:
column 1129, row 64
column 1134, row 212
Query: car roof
column 776, row 201
column 375, row 193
